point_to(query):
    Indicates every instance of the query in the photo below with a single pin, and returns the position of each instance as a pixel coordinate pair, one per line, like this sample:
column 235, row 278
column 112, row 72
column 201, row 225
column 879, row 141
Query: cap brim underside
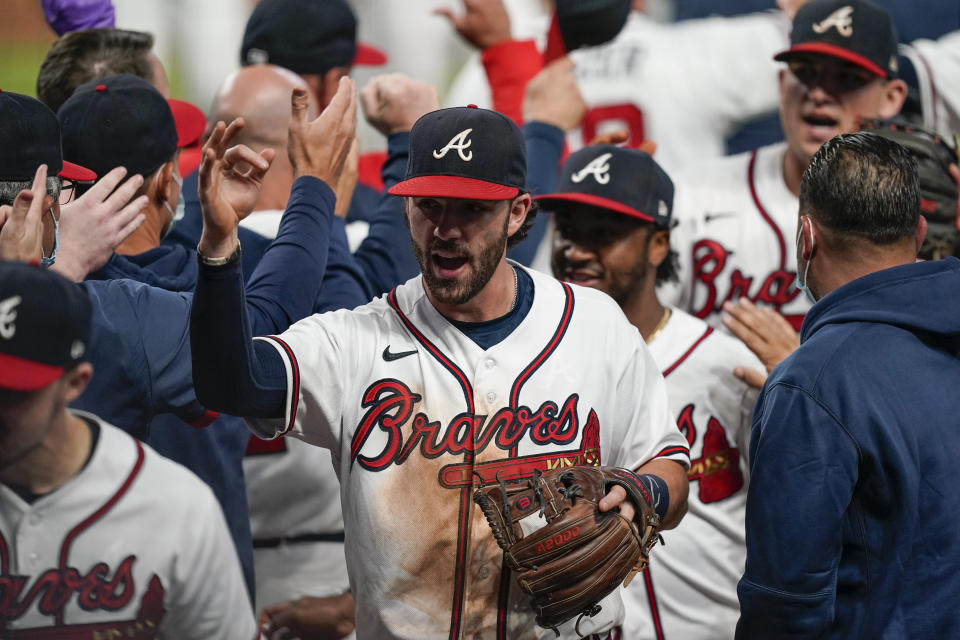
column 189, row 120
column 596, row 201
column 453, row 187
column 831, row 50
column 19, row 374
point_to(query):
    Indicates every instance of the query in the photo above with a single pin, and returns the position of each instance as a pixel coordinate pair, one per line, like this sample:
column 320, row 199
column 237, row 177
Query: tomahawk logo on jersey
column 451, row 415
column 690, row 588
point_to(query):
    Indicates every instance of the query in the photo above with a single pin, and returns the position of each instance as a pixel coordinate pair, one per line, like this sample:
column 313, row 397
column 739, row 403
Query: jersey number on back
column 614, row 117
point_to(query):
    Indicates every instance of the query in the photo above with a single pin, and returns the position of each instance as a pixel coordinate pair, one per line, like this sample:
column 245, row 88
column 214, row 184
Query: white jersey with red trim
column 297, row 535
column 415, row 414
column 687, row 85
column 690, row 588
column 736, row 236
column 937, row 63
column 133, row 546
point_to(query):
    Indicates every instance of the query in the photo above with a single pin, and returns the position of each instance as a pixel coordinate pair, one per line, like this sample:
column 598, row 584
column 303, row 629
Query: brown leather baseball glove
column 580, row 555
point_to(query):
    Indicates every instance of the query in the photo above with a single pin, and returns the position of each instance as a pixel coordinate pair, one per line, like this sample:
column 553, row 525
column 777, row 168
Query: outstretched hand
column 484, row 23
column 230, row 179
column 321, row 147
column 765, row 332
column 94, row 225
column 21, row 225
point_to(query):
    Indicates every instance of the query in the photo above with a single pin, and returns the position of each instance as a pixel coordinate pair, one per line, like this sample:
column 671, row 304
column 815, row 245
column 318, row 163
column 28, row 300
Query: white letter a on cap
column 599, row 168
column 460, row 143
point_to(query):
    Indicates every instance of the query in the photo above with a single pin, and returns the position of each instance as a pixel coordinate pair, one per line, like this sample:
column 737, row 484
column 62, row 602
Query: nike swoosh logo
column 390, row 357
column 707, row 217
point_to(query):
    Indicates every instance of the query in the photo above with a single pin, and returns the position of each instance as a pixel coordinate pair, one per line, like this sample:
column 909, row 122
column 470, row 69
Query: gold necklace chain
column 660, row 325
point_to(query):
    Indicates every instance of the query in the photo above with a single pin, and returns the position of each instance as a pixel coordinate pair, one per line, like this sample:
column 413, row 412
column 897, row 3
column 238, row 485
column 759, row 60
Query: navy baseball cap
column 30, row 136
column 623, row 180
column 123, row 121
column 465, row 152
column 305, row 36
column 853, row 30
column 44, row 326
column 584, row 23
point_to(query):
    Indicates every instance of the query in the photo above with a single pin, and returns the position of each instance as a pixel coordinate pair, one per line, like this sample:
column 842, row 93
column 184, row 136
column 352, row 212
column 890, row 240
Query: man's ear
column 658, row 247
column 894, row 95
column 519, row 208
column 330, row 81
column 161, row 185
column 921, row 232
column 76, row 381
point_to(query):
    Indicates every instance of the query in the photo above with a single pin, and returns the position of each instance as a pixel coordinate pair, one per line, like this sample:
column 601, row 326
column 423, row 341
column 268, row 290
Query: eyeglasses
column 835, row 78
column 71, row 189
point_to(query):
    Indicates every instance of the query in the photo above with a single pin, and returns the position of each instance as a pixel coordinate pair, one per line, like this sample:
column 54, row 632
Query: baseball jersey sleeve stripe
column 293, row 382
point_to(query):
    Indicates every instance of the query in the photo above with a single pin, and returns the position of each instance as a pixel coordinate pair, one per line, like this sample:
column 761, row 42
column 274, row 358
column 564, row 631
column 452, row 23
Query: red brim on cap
column 189, row 120
column 19, row 374
column 831, row 50
column 75, row 172
column 369, row 56
column 596, row 201
column 452, row 187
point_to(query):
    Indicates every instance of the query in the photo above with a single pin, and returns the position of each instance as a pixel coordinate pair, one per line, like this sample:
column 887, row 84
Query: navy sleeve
column 232, row 373
column 385, row 254
column 286, row 282
column 544, row 151
column 345, row 286
column 803, row 470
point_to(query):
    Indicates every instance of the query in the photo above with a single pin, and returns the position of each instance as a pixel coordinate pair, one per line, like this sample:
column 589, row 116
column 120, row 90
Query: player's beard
column 480, row 268
column 623, row 285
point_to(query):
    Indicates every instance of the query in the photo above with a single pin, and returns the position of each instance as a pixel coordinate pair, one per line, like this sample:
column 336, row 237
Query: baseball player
column 100, row 537
column 738, row 214
column 613, row 217
column 461, row 374
column 686, row 85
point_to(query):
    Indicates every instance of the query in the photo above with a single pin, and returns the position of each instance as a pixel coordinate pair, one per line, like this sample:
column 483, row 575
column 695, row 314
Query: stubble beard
column 479, row 269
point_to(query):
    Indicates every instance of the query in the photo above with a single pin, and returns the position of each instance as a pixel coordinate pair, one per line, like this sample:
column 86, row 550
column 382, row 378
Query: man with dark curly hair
column 613, row 213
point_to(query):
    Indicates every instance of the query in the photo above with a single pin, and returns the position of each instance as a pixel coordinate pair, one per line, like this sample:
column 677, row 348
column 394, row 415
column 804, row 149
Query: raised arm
column 230, row 375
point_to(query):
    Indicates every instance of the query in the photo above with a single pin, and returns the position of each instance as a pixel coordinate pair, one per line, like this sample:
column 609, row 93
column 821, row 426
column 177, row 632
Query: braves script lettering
column 709, row 260
column 54, row 588
column 390, row 406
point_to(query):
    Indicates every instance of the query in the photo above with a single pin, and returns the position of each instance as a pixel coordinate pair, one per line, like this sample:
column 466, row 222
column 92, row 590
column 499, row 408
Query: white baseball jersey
column 686, row 85
column 937, row 63
column 690, row 589
column 414, row 413
column 736, row 236
column 287, row 568
column 133, row 546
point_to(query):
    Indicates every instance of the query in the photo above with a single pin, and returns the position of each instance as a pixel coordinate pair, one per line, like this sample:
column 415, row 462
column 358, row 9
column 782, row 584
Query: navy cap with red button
column 465, row 152
column 123, row 120
column 30, row 136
